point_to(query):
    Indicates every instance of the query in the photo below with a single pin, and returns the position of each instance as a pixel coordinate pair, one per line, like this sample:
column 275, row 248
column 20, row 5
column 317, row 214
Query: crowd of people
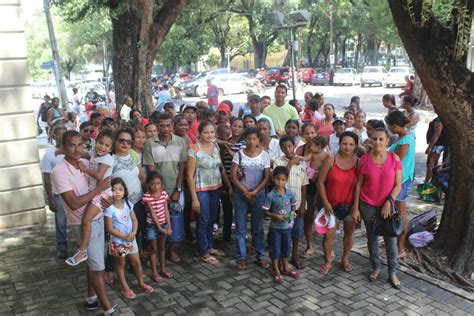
column 273, row 161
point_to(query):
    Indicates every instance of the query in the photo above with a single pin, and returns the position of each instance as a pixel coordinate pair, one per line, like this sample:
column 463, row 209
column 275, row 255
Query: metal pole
column 331, row 44
column 228, row 60
column 293, row 78
column 106, row 75
column 56, row 60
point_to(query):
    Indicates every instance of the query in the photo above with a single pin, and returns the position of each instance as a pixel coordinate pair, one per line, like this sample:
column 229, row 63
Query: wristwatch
column 179, row 190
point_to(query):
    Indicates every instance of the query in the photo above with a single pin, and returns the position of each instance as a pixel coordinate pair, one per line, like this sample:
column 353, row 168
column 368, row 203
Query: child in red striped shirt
column 158, row 225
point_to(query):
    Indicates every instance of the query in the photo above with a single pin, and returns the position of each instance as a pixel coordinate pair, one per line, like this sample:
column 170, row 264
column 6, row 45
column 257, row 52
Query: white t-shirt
column 125, row 113
column 333, row 144
column 121, row 221
column 274, row 149
column 127, row 169
column 49, row 161
column 363, row 135
column 94, row 162
column 252, row 167
column 75, row 101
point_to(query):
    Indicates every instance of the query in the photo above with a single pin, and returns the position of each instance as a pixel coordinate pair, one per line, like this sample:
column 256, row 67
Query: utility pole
column 56, row 60
column 292, row 48
column 227, row 54
column 331, row 44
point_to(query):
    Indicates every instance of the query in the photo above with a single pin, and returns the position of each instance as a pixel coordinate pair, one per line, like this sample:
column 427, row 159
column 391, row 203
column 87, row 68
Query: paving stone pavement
column 33, row 282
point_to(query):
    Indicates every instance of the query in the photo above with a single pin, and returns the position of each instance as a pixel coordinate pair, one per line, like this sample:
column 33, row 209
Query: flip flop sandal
column 147, row 288
column 263, row 263
column 325, row 268
column 347, row 267
column 396, row 286
column 217, row 253
column 211, row 260
column 128, row 294
column 278, row 279
column 292, row 274
column 306, row 254
column 297, row 264
column 167, row 274
column 242, row 264
column 402, row 255
column 157, row 278
column 373, row 278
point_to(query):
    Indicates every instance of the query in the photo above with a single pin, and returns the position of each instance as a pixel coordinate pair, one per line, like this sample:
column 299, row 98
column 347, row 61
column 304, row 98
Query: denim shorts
column 298, row 228
column 279, row 243
column 405, row 191
column 152, row 232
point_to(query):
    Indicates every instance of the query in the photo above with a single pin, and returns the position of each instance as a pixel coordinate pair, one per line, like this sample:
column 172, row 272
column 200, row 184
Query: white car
column 98, row 87
column 345, row 76
column 396, row 76
column 228, row 84
column 373, row 75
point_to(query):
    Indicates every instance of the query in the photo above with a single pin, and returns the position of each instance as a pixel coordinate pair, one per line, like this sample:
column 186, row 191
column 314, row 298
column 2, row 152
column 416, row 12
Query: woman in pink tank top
column 336, row 185
column 378, row 184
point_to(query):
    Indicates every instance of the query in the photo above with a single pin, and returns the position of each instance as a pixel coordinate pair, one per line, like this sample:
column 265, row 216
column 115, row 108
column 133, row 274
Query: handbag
column 390, row 227
column 240, row 170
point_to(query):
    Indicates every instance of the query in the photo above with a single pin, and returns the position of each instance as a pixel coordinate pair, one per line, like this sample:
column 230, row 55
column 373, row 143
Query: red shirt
column 340, row 185
column 212, row 95
column 193, row 130
column 158, row 206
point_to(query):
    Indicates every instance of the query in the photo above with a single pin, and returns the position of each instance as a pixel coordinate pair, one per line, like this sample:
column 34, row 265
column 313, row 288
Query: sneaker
column 62, row 254
column 92, row 306
column 233, row 226
column 114, row 313
column 216, row 227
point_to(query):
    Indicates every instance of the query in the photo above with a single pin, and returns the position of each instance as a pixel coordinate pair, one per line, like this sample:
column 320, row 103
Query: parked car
column 321, row 77
column 98, row 87
column 373, row 75
column 190, row 87
column 228, row 84
column 396, row 76
column 345, row 76
column 277, row 75
column 306, row 74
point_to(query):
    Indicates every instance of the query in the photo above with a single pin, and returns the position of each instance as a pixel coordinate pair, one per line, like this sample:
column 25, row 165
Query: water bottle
column 291, row 221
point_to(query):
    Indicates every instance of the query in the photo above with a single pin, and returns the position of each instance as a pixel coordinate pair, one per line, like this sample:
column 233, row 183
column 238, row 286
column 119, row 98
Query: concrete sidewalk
column 33, row 282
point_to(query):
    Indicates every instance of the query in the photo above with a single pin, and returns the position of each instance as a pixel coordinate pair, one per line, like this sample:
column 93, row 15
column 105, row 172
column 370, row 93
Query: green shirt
column 166, row 158
column 281, row 114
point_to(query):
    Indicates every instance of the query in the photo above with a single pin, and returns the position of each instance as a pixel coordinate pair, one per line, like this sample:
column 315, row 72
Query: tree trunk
column 310, row 40
column 450, row 86
column 343, row 52
column 370, row 54
column 357, row 51
column 137, row 34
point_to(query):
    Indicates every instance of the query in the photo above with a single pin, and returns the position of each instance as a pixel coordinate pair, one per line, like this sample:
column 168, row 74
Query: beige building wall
column 21, row 187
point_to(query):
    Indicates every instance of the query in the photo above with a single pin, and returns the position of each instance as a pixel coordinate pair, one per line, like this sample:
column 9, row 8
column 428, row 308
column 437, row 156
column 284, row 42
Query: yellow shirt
column 281, row 114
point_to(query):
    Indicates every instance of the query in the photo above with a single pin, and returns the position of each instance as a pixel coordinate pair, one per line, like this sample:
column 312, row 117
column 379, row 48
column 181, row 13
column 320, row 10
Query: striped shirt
column 158, row 206
column 226, row 158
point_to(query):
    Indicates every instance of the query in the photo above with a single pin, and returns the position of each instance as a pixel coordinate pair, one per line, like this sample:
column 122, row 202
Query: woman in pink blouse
column 378, row 184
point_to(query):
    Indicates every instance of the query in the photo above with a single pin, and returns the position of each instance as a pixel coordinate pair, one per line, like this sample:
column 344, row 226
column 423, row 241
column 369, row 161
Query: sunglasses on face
column 125, row 141
column 87, row 130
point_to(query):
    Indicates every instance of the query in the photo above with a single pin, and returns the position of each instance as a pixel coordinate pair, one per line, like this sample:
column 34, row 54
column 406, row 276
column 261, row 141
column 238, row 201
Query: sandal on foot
column 298, row 264
column 147, row 288
column 128, row 294
column 306, row 254
column 263, row 263
column 211, row 260
column 347, row 267
column 216, row 252
column 242, row 264
column 402, row 255
column 396, row 286
column 74, row 261
column 157, row 278
column 167, row 274
column 278, row 279
column 292, row 274
column 373, row 278
column 325, row 268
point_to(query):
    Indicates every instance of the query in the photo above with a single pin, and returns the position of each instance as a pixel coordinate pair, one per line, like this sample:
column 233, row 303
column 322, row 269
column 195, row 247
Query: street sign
column 47, row 65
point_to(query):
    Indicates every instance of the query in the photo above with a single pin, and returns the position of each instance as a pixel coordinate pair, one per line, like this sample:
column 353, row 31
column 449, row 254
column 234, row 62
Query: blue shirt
column 277, row 203
column 408, row 162
column 121, row 221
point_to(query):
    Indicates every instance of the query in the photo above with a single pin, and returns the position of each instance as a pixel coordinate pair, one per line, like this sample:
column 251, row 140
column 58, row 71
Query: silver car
column 396, row 76
column 373, row 75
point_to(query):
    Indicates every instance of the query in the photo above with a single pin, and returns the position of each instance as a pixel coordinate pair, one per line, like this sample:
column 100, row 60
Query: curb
column 439, row 283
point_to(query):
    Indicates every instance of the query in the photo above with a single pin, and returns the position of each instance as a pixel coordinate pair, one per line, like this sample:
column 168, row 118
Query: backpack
column 44, row 112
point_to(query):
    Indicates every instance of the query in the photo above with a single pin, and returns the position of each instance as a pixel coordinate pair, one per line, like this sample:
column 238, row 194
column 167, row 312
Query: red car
column 306, row 74
column 276, row 75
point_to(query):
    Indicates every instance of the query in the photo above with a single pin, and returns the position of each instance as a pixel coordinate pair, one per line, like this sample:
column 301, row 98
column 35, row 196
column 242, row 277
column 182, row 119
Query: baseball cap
column 184, row 107
column 339, row 120
column 224, row 107
column 324, row 222
column 253, row 97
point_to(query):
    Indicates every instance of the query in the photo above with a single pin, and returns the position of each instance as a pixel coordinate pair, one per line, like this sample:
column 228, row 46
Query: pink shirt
column 66, row 177
column 325, row 129
column 378, row 180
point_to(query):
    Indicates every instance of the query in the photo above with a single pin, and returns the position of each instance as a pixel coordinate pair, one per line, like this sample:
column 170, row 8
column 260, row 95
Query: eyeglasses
column 125, row 141
column 87, row 130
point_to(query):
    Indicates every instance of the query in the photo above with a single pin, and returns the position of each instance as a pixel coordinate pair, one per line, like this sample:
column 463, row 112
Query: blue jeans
column 209, row 204
column 367, row 211
column 242, row 206
column 61, row 224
